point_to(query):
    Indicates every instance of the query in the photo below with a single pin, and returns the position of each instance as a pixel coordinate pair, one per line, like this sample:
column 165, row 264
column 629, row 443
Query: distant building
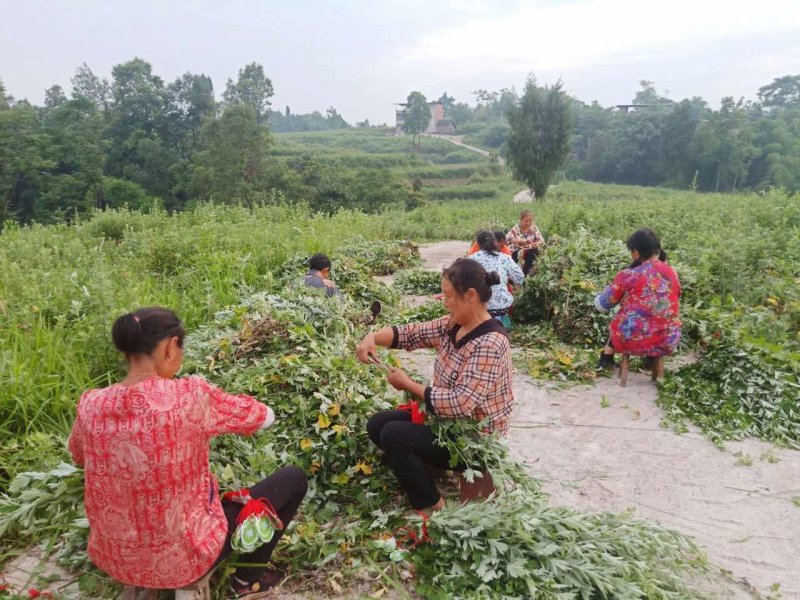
column 626, row 108
column 437, row 124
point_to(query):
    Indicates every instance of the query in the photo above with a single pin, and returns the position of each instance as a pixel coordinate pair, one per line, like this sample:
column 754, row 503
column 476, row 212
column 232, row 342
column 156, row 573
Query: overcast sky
column 361, row 56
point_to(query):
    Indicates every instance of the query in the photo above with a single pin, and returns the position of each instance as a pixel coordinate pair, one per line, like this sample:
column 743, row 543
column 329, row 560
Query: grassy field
column 62, row 286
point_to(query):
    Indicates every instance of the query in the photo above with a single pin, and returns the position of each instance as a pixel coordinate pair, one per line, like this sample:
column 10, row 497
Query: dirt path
column 736, row 502
column 458, row 141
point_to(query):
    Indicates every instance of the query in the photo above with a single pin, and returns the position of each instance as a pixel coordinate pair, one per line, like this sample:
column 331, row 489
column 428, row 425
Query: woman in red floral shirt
column 155, row 516
column 472, row 380
column 648, row 293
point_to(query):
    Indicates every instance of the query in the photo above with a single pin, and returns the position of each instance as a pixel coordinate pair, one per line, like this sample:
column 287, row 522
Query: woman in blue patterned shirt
column 491, row 259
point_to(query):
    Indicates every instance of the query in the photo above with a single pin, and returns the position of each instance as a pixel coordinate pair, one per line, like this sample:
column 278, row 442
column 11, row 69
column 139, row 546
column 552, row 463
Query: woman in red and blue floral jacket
column 648, row 293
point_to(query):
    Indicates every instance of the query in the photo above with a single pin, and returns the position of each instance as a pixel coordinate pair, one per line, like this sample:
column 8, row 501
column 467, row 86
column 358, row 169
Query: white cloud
column 555, row 36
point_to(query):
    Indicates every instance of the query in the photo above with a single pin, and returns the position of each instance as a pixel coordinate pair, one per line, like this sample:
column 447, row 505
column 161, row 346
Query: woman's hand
column 398, row 379
column 367, row 351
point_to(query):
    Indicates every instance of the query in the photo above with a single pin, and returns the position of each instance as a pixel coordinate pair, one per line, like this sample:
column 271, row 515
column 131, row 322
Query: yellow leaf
column 773, row 301
column 564, row 359
column 365, row 468
column 323, row 421
column 289, row 358
column 306, row 444
column 315, row 466
column 333, row 409
column 339, row 429
column 340, row 479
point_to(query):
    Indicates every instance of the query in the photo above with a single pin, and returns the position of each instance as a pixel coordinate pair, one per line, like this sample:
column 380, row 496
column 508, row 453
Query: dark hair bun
column 492, row 278
column 127, row 334
column 141, row 331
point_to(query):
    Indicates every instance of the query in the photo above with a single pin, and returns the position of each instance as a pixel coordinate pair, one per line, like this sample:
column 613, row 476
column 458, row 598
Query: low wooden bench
column 658, row 369
column 199, row 590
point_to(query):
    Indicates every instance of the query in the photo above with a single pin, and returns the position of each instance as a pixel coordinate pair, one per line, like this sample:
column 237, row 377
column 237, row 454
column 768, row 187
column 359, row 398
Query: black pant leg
column 409, row 449
column 376, row 423
column 530, row 256
column 285, row 489
column 515, row 256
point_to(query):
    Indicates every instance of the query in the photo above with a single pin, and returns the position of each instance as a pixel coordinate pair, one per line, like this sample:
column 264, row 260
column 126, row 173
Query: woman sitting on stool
column 472, row 380
column 647, row 323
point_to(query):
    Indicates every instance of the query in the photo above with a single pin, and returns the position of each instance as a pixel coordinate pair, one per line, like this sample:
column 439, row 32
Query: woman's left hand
column 398, row 378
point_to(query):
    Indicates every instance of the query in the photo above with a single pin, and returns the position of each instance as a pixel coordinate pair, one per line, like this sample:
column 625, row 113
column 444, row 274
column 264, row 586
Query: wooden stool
column 658, row 369
column 199, row 590
column 480, row 488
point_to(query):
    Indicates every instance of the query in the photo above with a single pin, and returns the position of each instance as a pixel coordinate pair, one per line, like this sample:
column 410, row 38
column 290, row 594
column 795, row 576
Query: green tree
column 723, row 147
column 54, row 97
column 588, row 120
column 541, row 126
column 235, row 161
column 5, row 102
column 448, row 102
column 252, row 88
column 76, row 151
column 416, row 116
column 85, row 84
column 649, row 95
column 22, row 160
column 783, row 92
column 679, row 130
column 189, row 102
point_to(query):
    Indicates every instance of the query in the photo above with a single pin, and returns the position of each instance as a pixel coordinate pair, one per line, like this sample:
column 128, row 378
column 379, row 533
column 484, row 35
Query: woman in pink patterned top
column 155, row 516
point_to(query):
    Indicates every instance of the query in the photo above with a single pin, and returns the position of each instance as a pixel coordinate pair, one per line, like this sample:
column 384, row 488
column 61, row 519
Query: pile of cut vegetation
column 569, row 273
column 746, row 381
column 295, row 349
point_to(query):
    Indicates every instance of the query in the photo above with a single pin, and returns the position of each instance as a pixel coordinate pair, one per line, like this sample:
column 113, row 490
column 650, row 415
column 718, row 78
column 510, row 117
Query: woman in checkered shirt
column 472, row 379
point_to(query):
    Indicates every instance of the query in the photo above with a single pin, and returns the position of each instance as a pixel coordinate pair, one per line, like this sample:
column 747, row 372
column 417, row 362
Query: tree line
column 137, row 140
column 742, row 145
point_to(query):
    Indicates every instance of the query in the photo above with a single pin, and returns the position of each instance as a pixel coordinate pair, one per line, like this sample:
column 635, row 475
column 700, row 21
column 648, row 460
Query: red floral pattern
column 647, row 323
column 155, row 517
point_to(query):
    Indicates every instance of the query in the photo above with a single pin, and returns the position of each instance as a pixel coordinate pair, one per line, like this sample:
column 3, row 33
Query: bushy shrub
column 418, row 281
column 569, row 273
column 383, row 257
column 742, row 383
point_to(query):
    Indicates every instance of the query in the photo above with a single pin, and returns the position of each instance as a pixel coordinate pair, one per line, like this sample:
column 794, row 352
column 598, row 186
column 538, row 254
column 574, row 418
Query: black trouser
column 530, row 256
column 409, row 449
column 285, row 489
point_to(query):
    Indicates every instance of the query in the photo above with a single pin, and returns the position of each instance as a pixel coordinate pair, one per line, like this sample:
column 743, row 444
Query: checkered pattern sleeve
column 477, row 384
column 421, row 335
